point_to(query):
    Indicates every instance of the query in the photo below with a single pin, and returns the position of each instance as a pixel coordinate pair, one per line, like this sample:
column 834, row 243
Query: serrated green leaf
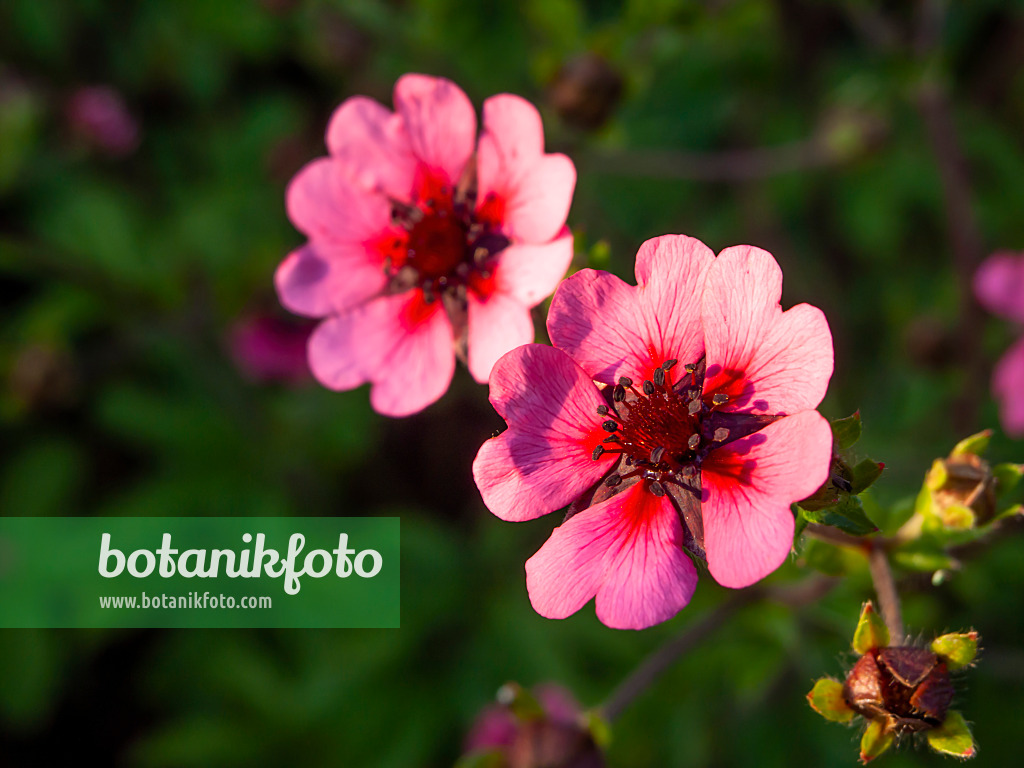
column 847, row 515
column 871, row 631
column 826, row 698
column 875, row 741
column 1007, row 476
column 864, row 474
column 953, row 737
column 976, row 444
column 957, row 648
column 846, row 431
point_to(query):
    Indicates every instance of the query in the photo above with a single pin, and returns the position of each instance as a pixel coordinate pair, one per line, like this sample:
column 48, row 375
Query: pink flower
column 676, row 417
column 99, row 115
column 266, row 348
column 423, row 246
column 999, row 287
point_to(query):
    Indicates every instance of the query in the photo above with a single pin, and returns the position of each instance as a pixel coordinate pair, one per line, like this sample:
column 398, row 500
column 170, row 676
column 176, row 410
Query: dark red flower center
column 443, row 244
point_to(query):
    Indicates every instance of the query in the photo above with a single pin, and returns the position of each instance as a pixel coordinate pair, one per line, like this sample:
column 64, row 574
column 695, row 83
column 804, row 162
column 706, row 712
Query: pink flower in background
column 424, row 243
column 674, row 417
column 269, row 349
column 999, row 286
column 99, row 115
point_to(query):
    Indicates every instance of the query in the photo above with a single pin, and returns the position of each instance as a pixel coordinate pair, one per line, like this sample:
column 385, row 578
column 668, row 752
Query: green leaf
column 830, row 559
column 875, row 741
column 846, row 431
column 847, row 515
column 925, row 556
column 599, row 728
column 953, row 737
column 957, row 648
column 826, row 698
column 864, row 474
column 490, row 758
column 871, row 631
column 1007, row 476
column 975, row 444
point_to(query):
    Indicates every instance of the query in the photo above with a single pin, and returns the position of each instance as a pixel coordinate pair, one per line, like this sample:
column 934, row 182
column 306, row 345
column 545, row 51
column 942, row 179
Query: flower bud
column 585, row 91
column 961, row 487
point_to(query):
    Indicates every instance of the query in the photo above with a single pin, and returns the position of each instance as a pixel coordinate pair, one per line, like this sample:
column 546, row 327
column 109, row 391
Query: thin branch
column 664, row 657
column 888, row 598
column 834, row 536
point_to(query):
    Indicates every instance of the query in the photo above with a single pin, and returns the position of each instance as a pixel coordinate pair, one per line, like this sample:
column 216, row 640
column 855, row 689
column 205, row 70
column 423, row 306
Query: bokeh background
column 876, row 148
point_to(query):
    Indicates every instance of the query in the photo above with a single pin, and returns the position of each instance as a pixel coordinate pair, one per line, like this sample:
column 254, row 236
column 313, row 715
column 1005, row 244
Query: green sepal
column 599, row 728
column 520, row 702
column 957, row 648
column 1017, row 509
column 826, row 698
column 846, row 431
column 864, row 474
column 1007, row 476
column 976, row 444
column 876, row 739
column 871, row 631
column 957, row 517
column 953, row 737
column 937, row 476
column 847, row 515
column 488, row 758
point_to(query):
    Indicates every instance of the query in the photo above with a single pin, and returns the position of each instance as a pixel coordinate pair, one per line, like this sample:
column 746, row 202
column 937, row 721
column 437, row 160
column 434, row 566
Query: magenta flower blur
column 999, row 287
column 677, row 420
column 423, row 243
column 268, row 349
column 99, row 115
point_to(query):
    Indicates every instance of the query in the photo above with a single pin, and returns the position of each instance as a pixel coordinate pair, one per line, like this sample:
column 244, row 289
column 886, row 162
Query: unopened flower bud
column 961, row 487
column 585, row 91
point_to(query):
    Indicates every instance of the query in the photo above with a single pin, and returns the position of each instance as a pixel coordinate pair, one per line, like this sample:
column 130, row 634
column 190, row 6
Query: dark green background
column 121, row 278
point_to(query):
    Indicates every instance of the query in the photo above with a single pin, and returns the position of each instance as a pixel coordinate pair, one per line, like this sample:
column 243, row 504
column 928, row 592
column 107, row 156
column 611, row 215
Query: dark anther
column 842, row 483
column 657, row 488
column 648, row 387
column 603, row 410
column 668, row 364
column 619, row 393
column 688, row 471
column 657, row 453
column 720, row 434
column 611, row 439
column 598, row 450
column 690, row 368
column 693, row 442
column 625, row 381
column 694, row 406
column 612, row 481
column 659, row 377
column 719, row 398
column 609, row 426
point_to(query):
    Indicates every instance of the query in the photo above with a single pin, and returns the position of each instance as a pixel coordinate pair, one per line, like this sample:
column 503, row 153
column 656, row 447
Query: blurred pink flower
column 424, row 243
column 999, row 287
column 698, row 435
column 100, row 116
column 268, row 349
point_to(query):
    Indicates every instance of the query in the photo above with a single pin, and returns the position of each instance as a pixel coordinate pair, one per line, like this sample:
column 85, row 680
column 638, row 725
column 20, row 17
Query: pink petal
column 748, row 487
column 1008, row 388
column 322, row 280
column 613, row 329
column 999, row 285
column 439, row 120
column 497, row 324
column 627, row 551
column 328, row 207
column 535, row 188
column 544, row 460
column 530, row 273
column 371, row 142
column 766, row 360
column 399, row 344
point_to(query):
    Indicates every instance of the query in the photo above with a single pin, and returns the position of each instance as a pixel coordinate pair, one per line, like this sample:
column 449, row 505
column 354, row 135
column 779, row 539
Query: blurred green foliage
column 122, row 277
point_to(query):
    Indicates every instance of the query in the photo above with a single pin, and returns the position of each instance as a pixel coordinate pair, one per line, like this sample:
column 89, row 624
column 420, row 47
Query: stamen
column 613, row 480
column 611, row 439
column 669, row 364
column 657, row 488
column 625, row 381
column 693, row 442
column 719, row 398
column 648, row 387
column 720, row 434
column 609, row 426
column 659, row 377
column 598, row 450
column 619, row 393
column 694, row 406
column 602, row 410
column 657, row 453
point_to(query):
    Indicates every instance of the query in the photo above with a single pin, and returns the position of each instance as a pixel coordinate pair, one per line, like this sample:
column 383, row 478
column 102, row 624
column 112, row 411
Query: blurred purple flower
column 999, row 287
column 269, row 349
column 98, row 115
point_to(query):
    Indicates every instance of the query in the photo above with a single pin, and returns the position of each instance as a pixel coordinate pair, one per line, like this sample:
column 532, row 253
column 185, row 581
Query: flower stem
column 652, row 668
column 885, row 587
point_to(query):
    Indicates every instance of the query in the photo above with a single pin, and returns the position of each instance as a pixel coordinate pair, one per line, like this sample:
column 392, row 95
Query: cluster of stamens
column 662, row 431
column 447, row 246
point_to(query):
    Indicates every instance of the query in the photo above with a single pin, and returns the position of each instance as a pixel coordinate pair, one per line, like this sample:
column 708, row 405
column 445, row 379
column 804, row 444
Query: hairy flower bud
column 908, row 688
column 962, row 487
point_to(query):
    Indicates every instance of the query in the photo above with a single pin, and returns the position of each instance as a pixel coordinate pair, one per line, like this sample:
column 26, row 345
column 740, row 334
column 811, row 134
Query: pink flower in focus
column 269, row 349
column 424, row 243
column 674, row 417
column 999, row 287
column 99, row 115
